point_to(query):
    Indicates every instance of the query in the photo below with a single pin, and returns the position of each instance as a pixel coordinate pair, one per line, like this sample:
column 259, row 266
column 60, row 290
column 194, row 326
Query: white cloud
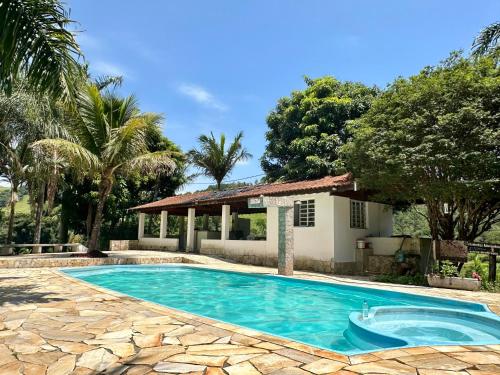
column 103, row 67
column 202, row 96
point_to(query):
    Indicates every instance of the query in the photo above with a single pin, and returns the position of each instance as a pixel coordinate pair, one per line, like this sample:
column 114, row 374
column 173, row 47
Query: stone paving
column 52, row 324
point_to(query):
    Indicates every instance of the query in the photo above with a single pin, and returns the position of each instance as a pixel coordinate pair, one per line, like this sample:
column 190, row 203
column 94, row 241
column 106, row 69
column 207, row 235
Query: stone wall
column 300, row 263
column 19, row 262
column 380, row 264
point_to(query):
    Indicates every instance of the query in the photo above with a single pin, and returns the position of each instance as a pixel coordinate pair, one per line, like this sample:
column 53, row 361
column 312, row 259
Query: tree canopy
column 35, row 43
column 434, row 137
column 307, row 129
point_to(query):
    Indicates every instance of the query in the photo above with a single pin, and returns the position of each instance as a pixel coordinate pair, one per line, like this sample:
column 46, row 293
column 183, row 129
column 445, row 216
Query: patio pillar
column 285, row 241
column 190, row 245
column 182, row 243
column 163, row 224
column 225, row 222
column 140, row 231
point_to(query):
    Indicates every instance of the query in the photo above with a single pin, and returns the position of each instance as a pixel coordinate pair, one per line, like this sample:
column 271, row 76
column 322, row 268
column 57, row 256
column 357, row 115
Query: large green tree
column 435, row 138
column 216, row 159
column 36, row 44
column 108, row 138
column 307, row 129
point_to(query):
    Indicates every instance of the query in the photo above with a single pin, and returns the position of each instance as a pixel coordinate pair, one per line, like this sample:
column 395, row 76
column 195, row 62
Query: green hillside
column 22, row 206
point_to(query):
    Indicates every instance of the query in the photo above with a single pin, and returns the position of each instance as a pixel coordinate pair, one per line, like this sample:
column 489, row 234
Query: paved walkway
column 52, row 324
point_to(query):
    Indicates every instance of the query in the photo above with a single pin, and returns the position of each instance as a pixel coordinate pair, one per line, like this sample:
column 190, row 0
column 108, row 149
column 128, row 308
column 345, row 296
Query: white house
column 330, row 214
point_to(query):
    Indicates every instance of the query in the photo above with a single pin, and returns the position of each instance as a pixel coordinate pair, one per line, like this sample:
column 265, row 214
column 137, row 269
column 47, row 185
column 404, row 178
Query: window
column 358, row 214
column 304, row 213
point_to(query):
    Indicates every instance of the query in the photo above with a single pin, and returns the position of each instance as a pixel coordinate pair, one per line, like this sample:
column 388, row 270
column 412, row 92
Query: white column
column 225, row 222
column 182, row 243
column 163, row 224
column 140, row 231
column 190, row 230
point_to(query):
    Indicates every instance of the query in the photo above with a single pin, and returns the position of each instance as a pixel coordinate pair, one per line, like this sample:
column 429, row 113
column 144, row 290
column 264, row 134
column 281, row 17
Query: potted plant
column 447, row 277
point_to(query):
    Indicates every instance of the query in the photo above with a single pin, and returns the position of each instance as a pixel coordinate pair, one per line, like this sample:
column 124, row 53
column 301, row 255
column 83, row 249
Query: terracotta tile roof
column 242, row 193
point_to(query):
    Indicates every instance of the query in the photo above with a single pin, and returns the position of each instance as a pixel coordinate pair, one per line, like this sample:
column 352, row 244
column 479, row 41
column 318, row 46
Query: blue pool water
column 311, row 312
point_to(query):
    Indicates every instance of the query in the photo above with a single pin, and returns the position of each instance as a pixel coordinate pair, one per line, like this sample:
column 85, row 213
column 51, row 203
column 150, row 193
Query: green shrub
column 417, row 279
column 448, row 269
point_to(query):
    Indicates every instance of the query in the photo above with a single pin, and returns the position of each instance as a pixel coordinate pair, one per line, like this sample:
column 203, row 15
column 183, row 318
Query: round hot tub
column 414, row 326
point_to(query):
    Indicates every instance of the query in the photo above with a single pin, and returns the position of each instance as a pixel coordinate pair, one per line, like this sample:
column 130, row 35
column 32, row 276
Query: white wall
column 331, row 237
column 309, row 242
column 234, row 247
column 378, row 220
column 171, row 244
column 389, row 245
column 204, row 235
column 316, row 242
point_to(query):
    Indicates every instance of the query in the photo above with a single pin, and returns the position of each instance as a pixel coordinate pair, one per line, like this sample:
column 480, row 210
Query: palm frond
column 75, row 155
column 126, row 142
column 159, row 163
column 93, row 130
column 487, row 40
column 35, row 42
column 105, row 81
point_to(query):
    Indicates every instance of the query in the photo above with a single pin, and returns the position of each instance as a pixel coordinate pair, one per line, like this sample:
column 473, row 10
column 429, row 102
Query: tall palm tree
column 24, row 119
column 214, row 159
column 110, row 138
column 35, row 43
column 16, row 134
column 487, row 40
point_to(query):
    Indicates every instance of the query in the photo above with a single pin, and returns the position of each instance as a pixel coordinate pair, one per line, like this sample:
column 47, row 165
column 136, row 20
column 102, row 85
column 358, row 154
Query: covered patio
column 225, row 208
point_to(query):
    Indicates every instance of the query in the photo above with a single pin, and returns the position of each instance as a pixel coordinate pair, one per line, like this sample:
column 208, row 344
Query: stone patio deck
column 53, row 324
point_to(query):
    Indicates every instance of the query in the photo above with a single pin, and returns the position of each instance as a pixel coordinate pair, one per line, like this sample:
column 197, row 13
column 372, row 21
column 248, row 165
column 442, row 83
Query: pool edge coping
column 262, row 335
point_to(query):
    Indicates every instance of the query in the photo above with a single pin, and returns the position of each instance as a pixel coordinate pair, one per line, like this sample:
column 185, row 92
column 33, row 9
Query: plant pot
column 462, row 283
column 361, row 244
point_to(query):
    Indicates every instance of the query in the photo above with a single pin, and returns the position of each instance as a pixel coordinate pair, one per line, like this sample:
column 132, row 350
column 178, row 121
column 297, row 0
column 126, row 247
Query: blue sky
column 221, row 65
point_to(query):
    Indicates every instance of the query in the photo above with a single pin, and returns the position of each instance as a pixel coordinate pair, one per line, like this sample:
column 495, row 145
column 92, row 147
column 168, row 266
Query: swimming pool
column 315, row 313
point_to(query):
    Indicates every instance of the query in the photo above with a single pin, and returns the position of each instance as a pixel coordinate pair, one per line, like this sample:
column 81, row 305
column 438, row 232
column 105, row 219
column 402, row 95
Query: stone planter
column 462, row 283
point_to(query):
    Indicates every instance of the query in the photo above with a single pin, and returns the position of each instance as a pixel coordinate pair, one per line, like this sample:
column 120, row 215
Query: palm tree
column 214, row 159
column 486, row 41
column 24, row 119
column 35, row 43
column 110, row 138
column 16, row 134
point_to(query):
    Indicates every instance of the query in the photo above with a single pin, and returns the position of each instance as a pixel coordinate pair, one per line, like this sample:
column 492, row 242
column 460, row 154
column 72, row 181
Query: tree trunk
column 63, row 227
column 104, row 189
column 88, row 221
column 432, row 218
column 12, row 213
column 38, row 218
